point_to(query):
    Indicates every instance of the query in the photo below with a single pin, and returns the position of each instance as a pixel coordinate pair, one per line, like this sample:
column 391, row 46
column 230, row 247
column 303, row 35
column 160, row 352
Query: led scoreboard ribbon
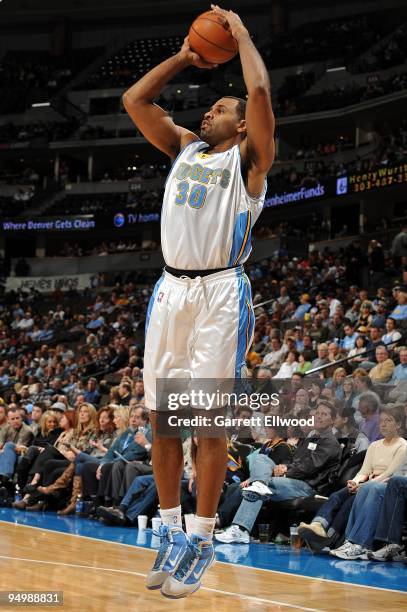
column 374, row 179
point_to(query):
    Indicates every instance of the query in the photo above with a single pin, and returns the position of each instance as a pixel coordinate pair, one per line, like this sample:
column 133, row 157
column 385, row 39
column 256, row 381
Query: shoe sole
column 159, row 575
column 108, row 517
column 347, row 558
column 314, row 541
column 183, row 595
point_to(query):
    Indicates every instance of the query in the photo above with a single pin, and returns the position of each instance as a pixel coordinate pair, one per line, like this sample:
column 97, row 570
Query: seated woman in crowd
column 289, row 366
column 346, row 427
column 54, row 466
column 357, row 352
column 100, row 442
column 348, row 394
column 59, row 449
column 100, row 477
column 382, row 459
column 336, row 385
column 49, row 431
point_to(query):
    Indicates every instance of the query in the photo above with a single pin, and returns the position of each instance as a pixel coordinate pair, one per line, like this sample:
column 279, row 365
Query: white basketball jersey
column 207, row 214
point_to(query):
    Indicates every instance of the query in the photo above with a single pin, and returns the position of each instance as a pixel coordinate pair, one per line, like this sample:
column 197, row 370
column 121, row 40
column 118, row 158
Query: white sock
column 204, row 526
column 171, row 517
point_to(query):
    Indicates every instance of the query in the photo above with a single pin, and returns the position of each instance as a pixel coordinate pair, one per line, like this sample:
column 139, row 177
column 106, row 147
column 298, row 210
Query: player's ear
column 242, row 126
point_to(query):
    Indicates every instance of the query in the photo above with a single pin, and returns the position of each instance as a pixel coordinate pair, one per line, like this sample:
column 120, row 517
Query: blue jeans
column 364, row 514
column 282, row 488
column 334, row 514
column 390, row 524
column 262, row 468
column 140, row 497
column 8, row 460
column 81, row 459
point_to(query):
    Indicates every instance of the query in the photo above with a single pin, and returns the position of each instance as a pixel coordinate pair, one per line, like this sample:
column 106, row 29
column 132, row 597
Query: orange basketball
column 210, row 37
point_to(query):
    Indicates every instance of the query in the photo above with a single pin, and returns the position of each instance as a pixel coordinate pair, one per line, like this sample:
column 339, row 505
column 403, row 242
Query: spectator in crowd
column 322, row 358
column 289, row 366
column 382, row 372
column 400, row 371
column 400, row 311
column 13, row 439
column 313, row 459
column 382, row 459
column 346, row 429
column 47, row 435
column 391, row 519
column 392, row 336
column 275, row 357
column 369, row 404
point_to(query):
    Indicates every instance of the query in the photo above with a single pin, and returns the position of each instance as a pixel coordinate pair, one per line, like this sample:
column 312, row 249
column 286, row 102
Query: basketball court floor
column 101, row 568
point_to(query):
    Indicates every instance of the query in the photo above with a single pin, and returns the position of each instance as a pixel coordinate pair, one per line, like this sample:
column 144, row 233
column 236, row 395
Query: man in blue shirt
column 303, row 308
column 400, row 312
column 348, row 342
column 92, row 394
column 400, row 371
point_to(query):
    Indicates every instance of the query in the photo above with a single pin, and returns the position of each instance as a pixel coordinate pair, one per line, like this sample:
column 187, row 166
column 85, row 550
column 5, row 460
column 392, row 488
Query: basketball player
column 200, row 318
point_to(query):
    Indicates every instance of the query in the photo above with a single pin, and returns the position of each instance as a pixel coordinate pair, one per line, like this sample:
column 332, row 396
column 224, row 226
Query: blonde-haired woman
column 121, row 416
column 102, row 440
column 47, row 436
column 57, row 472
column 338, row 378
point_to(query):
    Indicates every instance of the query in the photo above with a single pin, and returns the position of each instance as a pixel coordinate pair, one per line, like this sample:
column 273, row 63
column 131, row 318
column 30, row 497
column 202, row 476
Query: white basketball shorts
column 197, row 328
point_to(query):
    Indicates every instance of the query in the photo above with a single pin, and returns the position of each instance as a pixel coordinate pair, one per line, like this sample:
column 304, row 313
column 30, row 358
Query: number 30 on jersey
column 195, row 197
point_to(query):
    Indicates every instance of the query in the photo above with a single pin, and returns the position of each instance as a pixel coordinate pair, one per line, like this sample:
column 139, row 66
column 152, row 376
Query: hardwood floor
column 98, row 576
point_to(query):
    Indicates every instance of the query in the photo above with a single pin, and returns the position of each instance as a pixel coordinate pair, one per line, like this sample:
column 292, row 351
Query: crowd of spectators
column 35, row 76
column 391, row 149
column 342, row 38
column 47, row 131
column 72, row 376
column 391, row 52
column 142, row 202
column 74, row 249
column 343, row 95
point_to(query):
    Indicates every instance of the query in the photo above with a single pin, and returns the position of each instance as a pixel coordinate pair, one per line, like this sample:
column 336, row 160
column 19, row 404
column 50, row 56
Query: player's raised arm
column 258, row 148
column 152, row 121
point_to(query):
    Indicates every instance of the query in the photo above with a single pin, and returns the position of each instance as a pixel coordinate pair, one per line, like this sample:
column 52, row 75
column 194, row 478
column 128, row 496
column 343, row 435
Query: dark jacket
column 315, row 458
column 48, row 440
column 127, row 447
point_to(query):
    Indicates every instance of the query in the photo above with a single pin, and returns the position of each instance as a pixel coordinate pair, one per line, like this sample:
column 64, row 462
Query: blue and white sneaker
column 173, row 543
column 196, row 560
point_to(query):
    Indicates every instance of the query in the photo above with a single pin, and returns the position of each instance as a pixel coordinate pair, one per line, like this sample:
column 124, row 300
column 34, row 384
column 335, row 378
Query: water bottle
column 142, row 430
column 17, row 494
column 79, row 505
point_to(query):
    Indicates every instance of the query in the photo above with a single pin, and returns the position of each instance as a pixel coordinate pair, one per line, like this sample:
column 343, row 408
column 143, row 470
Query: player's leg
column 166, row 354
column 224, row 328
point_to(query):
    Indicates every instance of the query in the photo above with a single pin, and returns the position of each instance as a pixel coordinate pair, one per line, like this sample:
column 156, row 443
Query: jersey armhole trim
column 253, row 199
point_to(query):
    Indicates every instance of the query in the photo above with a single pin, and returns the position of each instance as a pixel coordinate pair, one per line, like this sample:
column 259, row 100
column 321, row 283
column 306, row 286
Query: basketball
column 210, row 37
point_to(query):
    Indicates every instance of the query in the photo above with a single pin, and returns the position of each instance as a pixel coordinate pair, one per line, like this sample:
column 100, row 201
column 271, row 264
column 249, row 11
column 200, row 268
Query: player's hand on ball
column 193, row 58
column 235, row 23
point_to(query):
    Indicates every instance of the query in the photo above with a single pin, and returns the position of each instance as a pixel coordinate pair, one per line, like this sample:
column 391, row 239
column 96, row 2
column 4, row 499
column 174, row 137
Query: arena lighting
column 337, row 69
column 39, row 104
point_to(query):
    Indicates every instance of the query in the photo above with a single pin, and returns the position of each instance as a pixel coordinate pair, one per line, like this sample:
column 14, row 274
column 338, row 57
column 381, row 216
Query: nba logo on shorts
column 160, row 296
column 342, row 185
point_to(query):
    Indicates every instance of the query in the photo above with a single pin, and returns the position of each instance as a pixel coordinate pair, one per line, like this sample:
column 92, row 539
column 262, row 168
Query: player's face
column 220, row 122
